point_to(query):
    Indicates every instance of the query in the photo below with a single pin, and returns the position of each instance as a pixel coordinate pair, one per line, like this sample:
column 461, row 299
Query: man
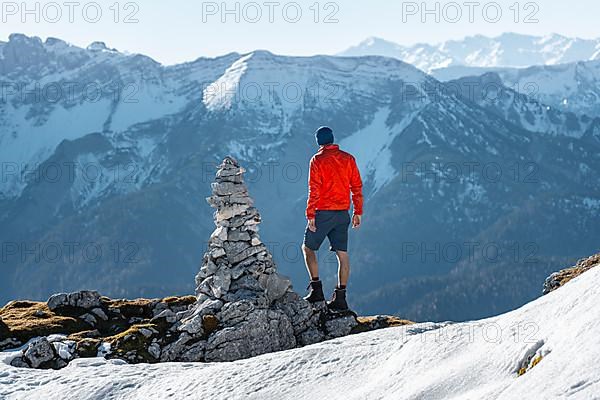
column 333, row 176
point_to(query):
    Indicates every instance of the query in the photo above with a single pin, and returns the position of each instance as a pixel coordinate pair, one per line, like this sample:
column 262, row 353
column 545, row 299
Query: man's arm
column 357, row 196
column 314, row 191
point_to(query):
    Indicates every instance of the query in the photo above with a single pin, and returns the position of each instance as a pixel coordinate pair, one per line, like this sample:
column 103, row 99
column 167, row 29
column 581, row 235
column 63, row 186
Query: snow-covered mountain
column 135, row 164
column 547, row 349
column 573, row 87
column 506, row 50
column 490, row 92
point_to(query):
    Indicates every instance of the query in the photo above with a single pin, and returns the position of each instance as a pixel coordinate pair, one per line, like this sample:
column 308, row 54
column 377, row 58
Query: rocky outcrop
column 243, row 307
column 53, row 333
column 238, row 285
column 560, row 278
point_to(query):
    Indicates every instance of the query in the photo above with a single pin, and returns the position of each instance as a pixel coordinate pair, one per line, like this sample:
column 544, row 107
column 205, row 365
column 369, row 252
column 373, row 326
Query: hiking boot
column 338, row 300
column 315, row 292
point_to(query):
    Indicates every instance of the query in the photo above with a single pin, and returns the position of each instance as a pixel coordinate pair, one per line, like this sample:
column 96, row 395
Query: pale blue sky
column 174, row 30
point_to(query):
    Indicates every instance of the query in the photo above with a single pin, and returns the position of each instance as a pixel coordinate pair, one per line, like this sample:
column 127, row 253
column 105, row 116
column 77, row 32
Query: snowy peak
column 283, row 83
column 374, row 46
column 571, row 87
column 506, row 50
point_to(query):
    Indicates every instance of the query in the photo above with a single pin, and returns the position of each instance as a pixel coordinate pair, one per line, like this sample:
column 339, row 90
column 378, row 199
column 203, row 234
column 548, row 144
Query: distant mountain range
column 107, row 159
column 558, row 71
column 571, row 87
column 507, row 50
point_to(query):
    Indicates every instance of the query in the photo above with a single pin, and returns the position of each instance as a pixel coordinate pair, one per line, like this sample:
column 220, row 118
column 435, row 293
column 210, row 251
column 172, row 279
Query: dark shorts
column 332, row 224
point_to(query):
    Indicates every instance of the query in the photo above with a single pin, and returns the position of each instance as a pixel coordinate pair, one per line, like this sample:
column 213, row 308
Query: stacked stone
column 255, row 309
column 238, row 285
column 237, row 265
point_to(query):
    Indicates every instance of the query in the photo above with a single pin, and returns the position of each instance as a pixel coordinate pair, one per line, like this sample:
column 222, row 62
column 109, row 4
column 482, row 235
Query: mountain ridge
column 505, row 50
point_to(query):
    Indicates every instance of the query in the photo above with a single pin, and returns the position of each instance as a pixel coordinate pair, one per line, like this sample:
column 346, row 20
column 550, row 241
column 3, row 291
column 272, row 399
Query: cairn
column 254, row 308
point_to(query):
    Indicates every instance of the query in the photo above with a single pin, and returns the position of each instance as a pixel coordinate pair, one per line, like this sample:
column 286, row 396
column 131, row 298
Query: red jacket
column 333, row 175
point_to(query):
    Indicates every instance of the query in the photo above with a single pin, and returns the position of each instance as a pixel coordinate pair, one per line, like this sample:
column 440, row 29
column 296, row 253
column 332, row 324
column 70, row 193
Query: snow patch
column 370, row 147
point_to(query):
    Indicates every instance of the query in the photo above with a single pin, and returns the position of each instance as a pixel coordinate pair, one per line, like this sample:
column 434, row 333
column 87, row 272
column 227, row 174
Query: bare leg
column 343, row 268
column 312, row 265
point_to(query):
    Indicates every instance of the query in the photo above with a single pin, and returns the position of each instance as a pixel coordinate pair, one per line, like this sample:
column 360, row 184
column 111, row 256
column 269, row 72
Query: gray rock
column 227, row 188
column 262, row 332
column 250, row 228
column 241, row 256
column 310, row 336
column 19, row 362
column 230, row 178
column 220, row 232
column 65, row 349
column 234, row 248
column 220, row 282
column 10, row 343
column 247, row 282
column 84, row 299
column 241, row 199
column 147, row 333
column 342, row 326
column 167, row 314
column 277, row 286
column 38, row 352
column 193, row 353
column 58, row 300
column 100, row 314
column 228, row 212
column 173, row 351
column 251, row 214
column 217, row 252
column 236, row 235
column 551, row 283
column 236, row 272
column 89, row 318
column 235, row 312
column 154, row 350
column 193, row 323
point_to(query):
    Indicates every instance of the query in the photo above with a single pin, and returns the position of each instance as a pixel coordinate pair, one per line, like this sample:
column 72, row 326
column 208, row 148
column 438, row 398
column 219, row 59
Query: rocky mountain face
column 572, row 87
column 242, row 308
column 104, row 194
column 506, row 50
column 489, row 91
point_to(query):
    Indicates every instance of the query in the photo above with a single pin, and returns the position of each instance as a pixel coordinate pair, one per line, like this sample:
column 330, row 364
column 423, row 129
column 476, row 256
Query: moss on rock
column 133, row 343
column 366, row 324
column 25, row 320
column 87, row 347
column 560, row 278
column 210, row 323
column 174, row 301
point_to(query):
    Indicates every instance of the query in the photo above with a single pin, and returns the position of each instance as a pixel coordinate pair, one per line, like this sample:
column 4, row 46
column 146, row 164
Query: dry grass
column 366, row 324
column 535, row 361
column 132, row 340
column 179, row 301
column 210, row 323
column 582, row 266
column 25, row 320
column 140, row 308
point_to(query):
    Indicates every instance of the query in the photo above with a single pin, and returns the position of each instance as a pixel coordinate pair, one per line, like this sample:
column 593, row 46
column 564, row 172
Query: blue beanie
column 324, row 136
